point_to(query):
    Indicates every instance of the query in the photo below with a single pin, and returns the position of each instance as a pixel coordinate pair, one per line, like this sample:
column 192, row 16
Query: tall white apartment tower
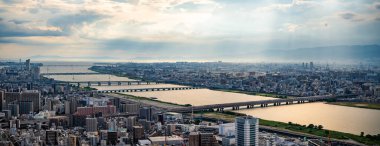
column 247, row 131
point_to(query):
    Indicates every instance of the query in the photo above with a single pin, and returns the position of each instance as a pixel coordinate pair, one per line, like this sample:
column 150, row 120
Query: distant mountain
column 342, row 53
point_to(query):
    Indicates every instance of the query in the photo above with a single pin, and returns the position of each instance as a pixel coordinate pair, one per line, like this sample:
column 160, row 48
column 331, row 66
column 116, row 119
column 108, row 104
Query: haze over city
column 189, row 30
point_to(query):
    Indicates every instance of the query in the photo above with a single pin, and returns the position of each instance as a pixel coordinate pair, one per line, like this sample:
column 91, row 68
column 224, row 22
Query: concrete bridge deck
column 147, row 89
column 76, row 73
column 251, row 104
column 107, row 83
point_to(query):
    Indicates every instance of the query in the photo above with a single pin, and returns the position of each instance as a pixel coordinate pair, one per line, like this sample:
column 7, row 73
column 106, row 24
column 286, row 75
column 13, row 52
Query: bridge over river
column 147, row 89
column 76, row 73
column 251, row 104
column 108, row 83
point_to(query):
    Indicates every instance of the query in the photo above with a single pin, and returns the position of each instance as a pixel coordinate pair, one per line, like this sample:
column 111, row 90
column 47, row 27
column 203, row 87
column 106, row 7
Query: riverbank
column 142, row 99
column 375, row 106
column 307, row 129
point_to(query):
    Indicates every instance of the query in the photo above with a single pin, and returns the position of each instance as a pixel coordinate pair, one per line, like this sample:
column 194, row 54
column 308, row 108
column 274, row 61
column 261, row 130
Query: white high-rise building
column 247, row 131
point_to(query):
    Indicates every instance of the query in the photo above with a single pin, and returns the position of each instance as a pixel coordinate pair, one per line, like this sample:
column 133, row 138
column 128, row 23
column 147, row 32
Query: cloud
column 377, row 6
column 348, row 15
column 151, row 29
column 18, row 21
column 14, row 30
column 292, row 27
column 67, row 22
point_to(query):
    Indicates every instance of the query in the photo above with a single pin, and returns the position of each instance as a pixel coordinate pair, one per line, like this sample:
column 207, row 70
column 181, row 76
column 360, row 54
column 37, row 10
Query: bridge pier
column 119, row 83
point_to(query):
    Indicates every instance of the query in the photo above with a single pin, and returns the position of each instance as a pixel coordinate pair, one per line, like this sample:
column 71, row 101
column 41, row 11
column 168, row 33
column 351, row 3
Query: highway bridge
column 147, row 89
column 251, row 104
column 107, row 83
column 76, row 73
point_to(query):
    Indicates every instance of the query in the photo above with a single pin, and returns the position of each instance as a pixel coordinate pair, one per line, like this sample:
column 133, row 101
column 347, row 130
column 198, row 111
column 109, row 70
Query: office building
column 30, row 95
column 67, row 107
column 138, row 133
column 91, row 124
column 73, row 105
column 146, row 113
column 112, row 125
column 208, row 139
column 194, row 139
column 26, row 107
column 72, row 140
column 105, row 110
column 130, row 122
column 247, row 131
column 132, row 108
column 51, row 137
column 15, row 109
column 2, row 100
column 116, row 102
column 112, row 138
column 27, row 64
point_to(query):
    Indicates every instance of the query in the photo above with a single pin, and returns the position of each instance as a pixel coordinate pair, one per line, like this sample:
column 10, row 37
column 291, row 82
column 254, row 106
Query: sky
column 180, row 30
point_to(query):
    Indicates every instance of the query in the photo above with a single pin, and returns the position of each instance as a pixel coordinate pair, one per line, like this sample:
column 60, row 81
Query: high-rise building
column 112, row 138
column 130, row 122
column 14, row 108
column 247, row 131
column 72, row 140
column 132, row 108
column 91, row 124
column 51, row 137
column 26, row 107
column 30, row 95
column 73, row 105
column 311, row 65
column 93, row 139
column 2, row 100
column 138, row 133
column 146, row 113
column 116, row 102
column 67, row 107
column 194, row 139
column 112, row 125
column 27, row 64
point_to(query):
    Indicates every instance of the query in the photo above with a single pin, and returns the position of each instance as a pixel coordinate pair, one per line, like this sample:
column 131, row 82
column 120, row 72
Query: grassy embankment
column 149, row 99
column 88, row 89
column 358, row 105
column 309, row 129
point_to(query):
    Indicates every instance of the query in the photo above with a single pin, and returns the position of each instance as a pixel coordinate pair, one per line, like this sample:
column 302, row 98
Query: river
column 333, row 117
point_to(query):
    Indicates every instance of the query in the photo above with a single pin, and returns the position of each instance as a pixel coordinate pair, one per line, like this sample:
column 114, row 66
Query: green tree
column 310, row 126
column 320, row 127
column 361, row 134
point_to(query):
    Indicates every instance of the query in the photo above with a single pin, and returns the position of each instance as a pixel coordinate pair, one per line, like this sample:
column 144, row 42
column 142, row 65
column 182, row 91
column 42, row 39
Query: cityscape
column 189, row 73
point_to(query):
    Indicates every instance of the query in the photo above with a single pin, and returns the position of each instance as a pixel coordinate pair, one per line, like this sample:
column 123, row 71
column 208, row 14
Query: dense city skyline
column 193, row 30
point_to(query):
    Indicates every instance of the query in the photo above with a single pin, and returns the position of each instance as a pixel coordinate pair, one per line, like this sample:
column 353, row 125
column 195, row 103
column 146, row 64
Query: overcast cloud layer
column 163, row 30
